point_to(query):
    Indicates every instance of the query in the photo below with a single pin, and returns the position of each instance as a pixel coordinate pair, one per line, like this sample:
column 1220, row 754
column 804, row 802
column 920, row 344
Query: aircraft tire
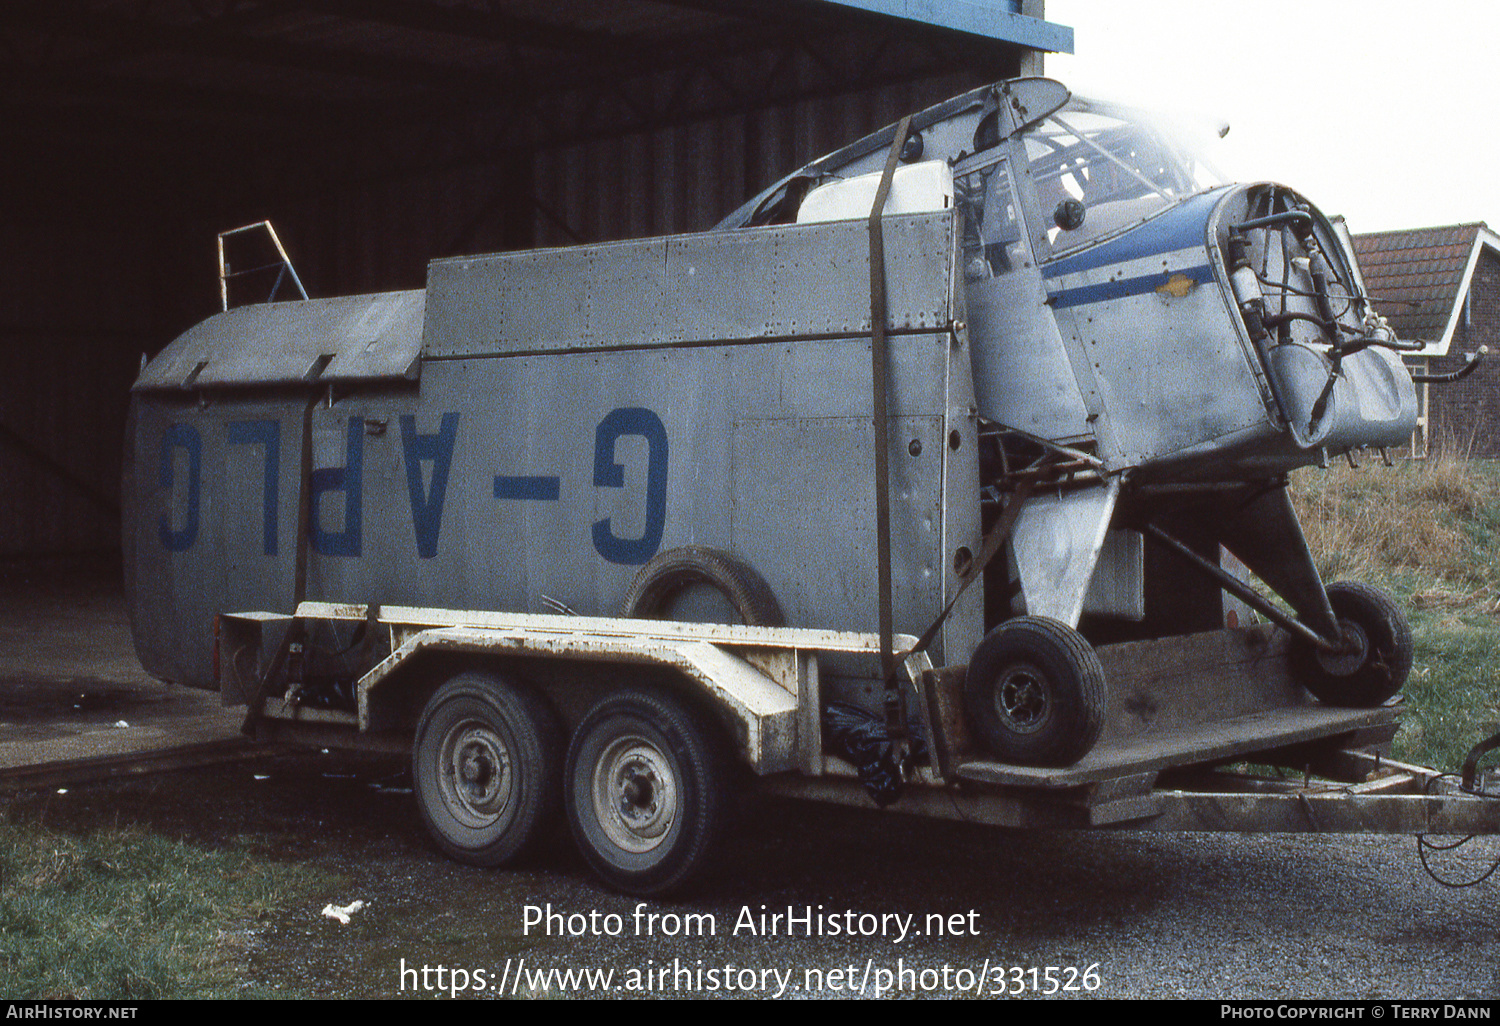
column 1034, row 693
column 487, row 768
column 1380, row 650
column 668, row 573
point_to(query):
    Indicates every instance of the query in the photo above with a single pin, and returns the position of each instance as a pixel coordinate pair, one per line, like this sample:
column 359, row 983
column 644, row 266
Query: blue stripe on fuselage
column 1201, row 275
column 1178, row 227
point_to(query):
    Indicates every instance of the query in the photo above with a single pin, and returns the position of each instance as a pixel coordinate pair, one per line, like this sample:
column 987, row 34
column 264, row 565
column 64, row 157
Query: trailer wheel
column 645, row 795
column 1378, row 658
column 670, row 573
column 1034, row 693
column 487, row 767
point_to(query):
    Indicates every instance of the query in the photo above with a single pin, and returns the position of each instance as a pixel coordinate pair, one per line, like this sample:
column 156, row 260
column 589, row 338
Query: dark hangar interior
column 379, row 134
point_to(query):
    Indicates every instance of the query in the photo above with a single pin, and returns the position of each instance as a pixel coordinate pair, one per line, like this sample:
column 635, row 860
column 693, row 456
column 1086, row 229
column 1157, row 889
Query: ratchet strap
column 895, row 708
column 992, row 542
column 291, row 641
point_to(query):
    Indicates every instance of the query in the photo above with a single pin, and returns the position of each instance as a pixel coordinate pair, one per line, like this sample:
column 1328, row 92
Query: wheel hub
column 635, row 794
column 1351, row 654
column 637, row 790
column 1023, row 699
column 477, row 775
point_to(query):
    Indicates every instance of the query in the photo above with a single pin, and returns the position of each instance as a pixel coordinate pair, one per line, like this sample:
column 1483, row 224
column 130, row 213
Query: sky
column 1387, row 113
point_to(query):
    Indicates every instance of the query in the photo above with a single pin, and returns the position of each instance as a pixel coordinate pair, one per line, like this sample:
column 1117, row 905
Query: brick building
column 1442, row 286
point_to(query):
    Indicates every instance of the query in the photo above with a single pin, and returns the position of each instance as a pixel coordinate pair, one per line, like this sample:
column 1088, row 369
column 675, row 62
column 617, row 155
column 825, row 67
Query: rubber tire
column 1385, row 662
column 667, row 573
column 493, row 719
column 1050, row 665
column 653, row 731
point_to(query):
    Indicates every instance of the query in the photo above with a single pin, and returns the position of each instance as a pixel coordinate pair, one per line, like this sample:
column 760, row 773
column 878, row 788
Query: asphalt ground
column 70, row 686
column 869, row 903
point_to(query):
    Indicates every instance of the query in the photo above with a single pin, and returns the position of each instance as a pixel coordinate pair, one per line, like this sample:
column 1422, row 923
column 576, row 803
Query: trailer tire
column 487, row 769
column 1380, row 659
column 646, row 792
column 668, row 573
column 1034, row 693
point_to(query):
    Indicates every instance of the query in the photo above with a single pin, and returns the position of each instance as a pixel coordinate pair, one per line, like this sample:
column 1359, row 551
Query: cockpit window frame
column 1184, row 173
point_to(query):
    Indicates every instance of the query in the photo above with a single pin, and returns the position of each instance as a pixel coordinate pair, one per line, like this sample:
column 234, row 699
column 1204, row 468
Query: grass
column 1427, row 532
column 124, row 914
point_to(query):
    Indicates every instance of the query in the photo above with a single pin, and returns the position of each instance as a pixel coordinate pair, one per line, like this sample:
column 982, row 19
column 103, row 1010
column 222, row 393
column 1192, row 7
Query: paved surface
column 1204, row 916
column 74, row 702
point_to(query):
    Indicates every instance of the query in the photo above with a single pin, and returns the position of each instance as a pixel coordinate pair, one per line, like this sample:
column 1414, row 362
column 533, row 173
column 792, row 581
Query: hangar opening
column 377, row 135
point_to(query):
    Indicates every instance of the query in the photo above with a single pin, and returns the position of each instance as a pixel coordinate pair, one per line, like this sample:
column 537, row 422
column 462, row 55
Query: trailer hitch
column 1471, row 763
column 1468, row 784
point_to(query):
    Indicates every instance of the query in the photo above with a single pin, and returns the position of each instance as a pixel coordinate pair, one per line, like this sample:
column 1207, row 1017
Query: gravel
column 1118, row 915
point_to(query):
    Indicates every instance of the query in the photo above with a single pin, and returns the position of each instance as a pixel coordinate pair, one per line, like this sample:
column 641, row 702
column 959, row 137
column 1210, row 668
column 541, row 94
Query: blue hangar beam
column 1000, row 20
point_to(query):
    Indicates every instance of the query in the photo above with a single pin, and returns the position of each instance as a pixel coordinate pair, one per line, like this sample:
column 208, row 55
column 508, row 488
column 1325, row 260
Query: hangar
column 377, row 135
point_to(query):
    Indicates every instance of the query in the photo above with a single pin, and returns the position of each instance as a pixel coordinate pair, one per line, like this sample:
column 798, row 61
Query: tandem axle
column 641, row 732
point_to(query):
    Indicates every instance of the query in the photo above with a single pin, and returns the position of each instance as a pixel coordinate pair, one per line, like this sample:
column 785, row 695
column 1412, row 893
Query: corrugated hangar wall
column 108, row 258
column 81, row 298
column 686, row 179
column 379, row 233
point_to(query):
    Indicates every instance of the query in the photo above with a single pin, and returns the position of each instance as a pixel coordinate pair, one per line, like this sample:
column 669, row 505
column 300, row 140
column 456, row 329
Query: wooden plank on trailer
column 1330, row 812
column 1159, row 685
column 1165, row 811
column 951, row 745
column 1216, row 741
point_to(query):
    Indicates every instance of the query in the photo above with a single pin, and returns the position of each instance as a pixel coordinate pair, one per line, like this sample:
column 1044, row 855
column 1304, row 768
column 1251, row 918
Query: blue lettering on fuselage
column 427, row 509
column 540, row 487
column 427, row 499
column 609, row 474
column 184, row 437
column 266, row 433
column 349, row 481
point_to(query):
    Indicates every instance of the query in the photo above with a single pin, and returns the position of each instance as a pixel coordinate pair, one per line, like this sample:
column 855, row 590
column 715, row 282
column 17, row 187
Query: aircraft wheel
column 487, row 768
column 1034, row 693
column 1378, row 650
column 646, row 791
column 670, row 573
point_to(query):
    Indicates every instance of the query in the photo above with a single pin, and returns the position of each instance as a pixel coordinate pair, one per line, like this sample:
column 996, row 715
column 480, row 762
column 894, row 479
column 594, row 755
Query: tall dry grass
column 1428, row 531
column 1431, row 519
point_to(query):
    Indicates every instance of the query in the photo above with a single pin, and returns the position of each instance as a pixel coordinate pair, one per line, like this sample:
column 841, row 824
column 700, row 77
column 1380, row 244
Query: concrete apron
column 75, row 704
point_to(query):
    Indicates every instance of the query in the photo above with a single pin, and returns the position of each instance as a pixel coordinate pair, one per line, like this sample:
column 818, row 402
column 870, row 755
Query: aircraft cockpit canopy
column 1099, row 167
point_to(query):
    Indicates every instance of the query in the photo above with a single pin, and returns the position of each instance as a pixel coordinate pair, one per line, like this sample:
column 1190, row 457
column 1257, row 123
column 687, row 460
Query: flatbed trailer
column 1020, row 340
column 743, row 707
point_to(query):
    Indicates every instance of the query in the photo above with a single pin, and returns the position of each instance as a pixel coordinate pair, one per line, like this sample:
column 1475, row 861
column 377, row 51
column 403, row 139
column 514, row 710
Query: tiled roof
column 1415, row 276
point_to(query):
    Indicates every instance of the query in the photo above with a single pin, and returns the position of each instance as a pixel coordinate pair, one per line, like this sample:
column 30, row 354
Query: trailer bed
column 1184, row 715
column 1192, row 700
